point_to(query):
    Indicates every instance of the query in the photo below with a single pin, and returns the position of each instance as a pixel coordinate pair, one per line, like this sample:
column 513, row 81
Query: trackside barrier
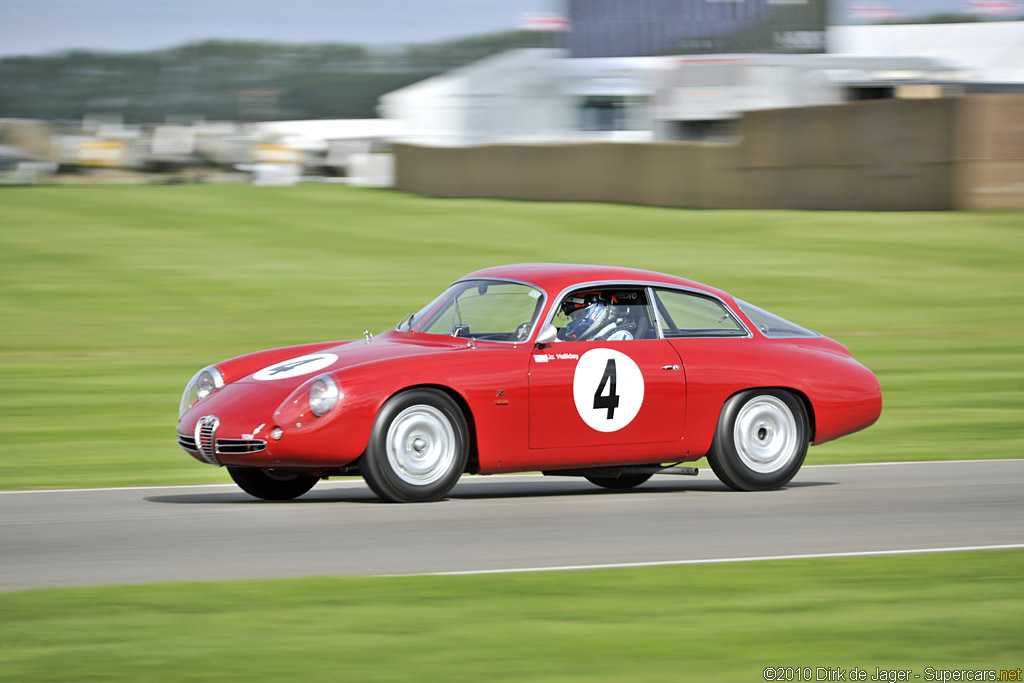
column 888, row 155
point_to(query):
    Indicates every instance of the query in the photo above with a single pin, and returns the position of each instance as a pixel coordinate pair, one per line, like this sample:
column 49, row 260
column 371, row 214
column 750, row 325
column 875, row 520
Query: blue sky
column 41, row 26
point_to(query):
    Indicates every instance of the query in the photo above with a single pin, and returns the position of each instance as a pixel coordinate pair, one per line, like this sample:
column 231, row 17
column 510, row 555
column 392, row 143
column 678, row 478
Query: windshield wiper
column 407, row 321
column 456, row 320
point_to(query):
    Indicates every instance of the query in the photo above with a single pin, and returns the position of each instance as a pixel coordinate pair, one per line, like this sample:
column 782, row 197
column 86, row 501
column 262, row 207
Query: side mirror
column 548, row 334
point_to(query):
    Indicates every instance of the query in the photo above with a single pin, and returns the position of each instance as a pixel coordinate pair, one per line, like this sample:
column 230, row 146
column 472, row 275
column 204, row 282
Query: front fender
column 501, row 423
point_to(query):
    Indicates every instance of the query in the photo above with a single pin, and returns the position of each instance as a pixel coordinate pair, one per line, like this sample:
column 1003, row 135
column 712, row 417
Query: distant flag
column 544, row 22
column 872, row 11
column 994, row 7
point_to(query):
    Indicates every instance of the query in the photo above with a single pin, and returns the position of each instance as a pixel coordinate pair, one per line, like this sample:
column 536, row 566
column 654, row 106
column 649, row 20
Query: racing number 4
column 285, row 367
column 607, row 389
column 610, row 401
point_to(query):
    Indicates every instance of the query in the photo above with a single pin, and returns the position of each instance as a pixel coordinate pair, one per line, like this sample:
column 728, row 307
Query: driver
column 587, row 315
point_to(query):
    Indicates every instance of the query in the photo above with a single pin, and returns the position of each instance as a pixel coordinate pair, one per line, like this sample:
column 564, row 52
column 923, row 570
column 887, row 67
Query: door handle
column 669, row 367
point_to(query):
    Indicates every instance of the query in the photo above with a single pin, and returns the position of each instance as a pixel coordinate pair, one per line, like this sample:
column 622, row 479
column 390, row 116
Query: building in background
column 992, row 50
column 688, row 69
column 540, row 96
column 613, row 28
column 517, row 95
column 701, row 98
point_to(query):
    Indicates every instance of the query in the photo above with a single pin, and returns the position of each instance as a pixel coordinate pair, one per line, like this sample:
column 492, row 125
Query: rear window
column 772, row 325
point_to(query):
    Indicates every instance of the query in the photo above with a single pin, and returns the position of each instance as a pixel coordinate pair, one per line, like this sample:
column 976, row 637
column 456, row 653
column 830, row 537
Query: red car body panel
column 653, row 424
column 518, row 398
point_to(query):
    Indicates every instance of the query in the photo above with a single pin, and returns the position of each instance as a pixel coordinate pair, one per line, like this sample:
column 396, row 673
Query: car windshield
column 772, row 325
column 494, row 310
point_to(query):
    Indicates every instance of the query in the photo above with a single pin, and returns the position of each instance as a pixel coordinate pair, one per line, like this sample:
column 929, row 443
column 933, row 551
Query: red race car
column 613, row 374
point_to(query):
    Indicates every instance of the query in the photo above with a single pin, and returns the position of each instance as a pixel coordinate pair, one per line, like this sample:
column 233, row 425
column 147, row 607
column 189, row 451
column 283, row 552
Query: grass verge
column 712, row 622
column 112, row 296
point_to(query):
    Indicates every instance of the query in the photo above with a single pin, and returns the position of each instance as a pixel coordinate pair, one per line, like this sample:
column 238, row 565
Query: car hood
column 255, row 396
column 292, row 371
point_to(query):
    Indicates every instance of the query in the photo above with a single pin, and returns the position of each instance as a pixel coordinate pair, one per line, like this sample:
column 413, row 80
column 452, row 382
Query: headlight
column 323, row 395
column 202, row 384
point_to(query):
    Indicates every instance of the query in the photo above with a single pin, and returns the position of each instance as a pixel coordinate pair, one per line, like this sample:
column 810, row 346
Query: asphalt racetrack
column 501, row 523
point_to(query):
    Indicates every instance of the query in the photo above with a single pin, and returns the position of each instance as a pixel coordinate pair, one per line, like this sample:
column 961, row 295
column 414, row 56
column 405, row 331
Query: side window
column 684, row 314
column 608, row 314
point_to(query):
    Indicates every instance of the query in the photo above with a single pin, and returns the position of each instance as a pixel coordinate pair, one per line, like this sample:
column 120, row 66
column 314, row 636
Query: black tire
column 270, row 484
column 761, row 440
column 418, row 448
column 621, row 482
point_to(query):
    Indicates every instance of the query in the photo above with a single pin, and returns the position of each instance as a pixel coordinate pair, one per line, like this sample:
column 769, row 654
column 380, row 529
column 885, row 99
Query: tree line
column 232, row 80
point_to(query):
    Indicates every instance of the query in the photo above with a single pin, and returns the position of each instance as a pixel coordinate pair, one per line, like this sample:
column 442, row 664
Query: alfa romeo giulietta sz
column 613, row 374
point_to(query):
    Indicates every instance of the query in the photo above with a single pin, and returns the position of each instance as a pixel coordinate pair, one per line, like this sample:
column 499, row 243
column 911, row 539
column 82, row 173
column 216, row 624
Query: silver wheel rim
column 421, row 445
column 766, row 435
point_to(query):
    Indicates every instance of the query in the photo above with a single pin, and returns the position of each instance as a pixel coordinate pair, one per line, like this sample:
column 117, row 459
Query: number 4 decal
column 608, row 389
column 296, row 367
column 610, row 401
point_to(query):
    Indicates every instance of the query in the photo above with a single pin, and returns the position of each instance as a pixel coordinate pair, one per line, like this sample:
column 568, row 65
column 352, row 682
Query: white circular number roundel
column 294, row 367
column 608, row 388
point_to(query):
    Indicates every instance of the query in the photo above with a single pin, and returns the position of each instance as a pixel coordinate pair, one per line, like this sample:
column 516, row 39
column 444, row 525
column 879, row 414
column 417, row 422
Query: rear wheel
column 418, row 448
column 761, row 440
column 270, row 484
column 623, row 481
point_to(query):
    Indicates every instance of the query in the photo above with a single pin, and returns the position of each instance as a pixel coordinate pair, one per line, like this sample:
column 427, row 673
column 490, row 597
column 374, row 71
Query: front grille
column 206, row 429
column 236, row 446
column 205, row 436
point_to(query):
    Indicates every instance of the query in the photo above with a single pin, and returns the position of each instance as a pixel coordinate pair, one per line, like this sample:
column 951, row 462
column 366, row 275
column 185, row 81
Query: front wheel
column 270, row 484
column 418, row 448
column 761, row 440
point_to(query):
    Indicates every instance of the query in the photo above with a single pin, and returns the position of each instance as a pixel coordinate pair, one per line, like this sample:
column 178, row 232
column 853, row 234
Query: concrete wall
column 872, row 155
column 988, row 152
column 875, row 155
column 662, row 174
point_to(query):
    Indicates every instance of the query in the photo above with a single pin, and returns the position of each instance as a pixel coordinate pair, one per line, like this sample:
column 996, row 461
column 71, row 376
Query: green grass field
column 712, row 622
column 112, row 296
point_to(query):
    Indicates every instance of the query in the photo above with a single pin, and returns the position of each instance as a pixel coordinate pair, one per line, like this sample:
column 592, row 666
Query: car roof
column 556, row 277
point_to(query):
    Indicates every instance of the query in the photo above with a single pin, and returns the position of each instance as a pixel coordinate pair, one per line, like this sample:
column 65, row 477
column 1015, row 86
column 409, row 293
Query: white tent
column 993, row 51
